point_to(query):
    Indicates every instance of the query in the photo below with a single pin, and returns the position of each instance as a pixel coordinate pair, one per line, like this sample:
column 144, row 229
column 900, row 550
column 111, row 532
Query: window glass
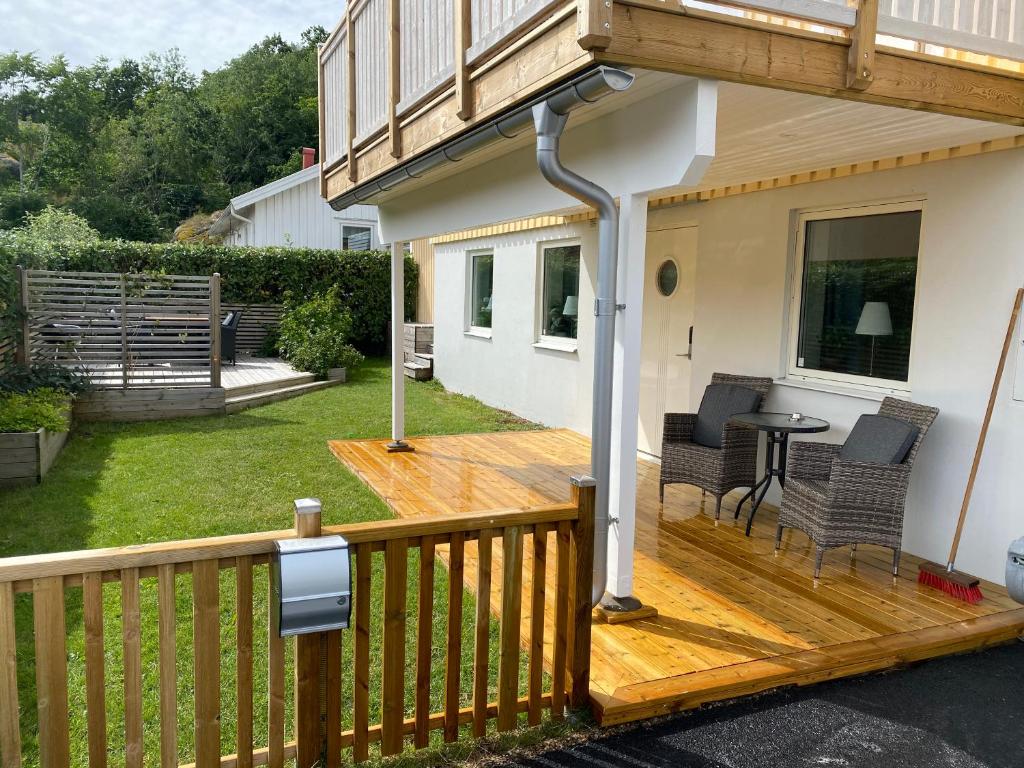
column 355, row 238
column 560, row 292
column 668, row 278
column 857, row 295
column 482, row 277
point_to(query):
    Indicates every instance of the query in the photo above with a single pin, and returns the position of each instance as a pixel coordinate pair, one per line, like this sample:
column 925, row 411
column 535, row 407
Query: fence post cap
column 583, row 481
column 308, row 506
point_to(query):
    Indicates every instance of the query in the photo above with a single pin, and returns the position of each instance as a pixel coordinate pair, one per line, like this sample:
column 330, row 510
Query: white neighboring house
column 289, row 212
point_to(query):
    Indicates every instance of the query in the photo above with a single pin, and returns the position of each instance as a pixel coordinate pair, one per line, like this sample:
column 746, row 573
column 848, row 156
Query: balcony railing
column 389, row 60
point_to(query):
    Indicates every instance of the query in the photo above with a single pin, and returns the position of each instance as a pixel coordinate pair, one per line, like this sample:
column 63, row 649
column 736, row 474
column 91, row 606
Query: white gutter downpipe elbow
column 550, row 124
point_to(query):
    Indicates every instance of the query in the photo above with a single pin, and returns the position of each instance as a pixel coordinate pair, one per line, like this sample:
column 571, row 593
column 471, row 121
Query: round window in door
column 667, row 277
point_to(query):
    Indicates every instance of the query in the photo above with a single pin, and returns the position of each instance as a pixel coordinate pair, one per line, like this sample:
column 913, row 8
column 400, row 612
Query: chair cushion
column 720, row 402
column 879, row 440
column 226, row 322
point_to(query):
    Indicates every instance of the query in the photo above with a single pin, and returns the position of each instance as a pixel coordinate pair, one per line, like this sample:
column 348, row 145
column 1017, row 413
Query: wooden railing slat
column 453, row 655
column 243, row 661
column 275, row 685
column 393, row 662
column 511, row 613
column 333, row 682
column 95, row 674
column 167, row 627
column 424, row 641
column 51, row 672
column 560, row 642
column 206, row 647
column 131, row 636
column 535, row 674
column 361, row 654
column 482, row 634
column 10, row 730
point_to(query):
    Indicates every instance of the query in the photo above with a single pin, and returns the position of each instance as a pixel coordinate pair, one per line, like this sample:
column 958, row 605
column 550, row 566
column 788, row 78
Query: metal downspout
column 549, row 125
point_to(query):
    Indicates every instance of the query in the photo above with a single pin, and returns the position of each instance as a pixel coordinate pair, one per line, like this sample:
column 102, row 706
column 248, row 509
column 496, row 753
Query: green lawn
column 118, row 484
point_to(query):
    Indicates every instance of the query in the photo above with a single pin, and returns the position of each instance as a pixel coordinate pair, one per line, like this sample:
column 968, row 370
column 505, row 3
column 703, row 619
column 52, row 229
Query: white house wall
column 552, row 387
column 300, row 218
column 971, row 260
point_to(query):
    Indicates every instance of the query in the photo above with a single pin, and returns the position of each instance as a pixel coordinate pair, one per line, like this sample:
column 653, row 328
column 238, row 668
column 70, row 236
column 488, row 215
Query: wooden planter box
column 26, row 457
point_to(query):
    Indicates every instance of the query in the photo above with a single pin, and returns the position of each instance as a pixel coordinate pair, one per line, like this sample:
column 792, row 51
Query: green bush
column 248, row 275
column 27, row 412
column 26, row 378
column 314, row 334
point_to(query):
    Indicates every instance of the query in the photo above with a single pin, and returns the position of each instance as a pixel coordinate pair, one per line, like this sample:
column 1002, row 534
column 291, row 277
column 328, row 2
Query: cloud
column 208, row 33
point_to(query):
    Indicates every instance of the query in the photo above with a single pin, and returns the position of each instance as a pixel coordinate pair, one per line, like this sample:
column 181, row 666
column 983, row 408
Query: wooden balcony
column 398, row 77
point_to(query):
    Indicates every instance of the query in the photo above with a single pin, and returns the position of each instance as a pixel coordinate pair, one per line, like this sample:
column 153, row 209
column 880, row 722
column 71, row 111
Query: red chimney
column 308, row 157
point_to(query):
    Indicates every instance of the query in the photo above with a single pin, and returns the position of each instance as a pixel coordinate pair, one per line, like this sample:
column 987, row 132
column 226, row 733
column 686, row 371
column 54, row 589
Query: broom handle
column 984, row 426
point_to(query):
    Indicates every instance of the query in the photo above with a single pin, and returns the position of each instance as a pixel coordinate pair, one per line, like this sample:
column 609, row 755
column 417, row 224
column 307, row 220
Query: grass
column 119, row 484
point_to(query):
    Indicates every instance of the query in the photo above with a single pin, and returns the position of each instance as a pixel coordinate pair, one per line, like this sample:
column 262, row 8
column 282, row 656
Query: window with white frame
column 481, row 284
column 356, row 238
column 559, row 292
column 856, row 285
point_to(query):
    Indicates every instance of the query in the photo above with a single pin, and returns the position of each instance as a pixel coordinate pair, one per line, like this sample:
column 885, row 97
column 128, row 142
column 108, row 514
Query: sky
column 207, row 32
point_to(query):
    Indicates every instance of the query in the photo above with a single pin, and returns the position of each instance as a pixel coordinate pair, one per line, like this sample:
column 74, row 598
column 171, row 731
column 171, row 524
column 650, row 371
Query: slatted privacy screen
column 371, row 39
column 164, row 653
column 334, row 66
column 257, row 321
column 8, row 346
column 428, row 52
column 122, row 331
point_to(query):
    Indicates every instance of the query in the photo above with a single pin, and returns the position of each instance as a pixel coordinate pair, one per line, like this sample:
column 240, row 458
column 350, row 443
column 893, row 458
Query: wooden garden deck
column 733, row 620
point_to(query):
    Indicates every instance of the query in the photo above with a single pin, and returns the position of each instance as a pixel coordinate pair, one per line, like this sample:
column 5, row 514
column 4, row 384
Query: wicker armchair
column 838, row 502
column 714, row 470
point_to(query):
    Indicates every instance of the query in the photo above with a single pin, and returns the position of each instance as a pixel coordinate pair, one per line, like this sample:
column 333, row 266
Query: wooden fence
column 124, row 331
column 57, row 581
column 8, row 350
column 257, row 321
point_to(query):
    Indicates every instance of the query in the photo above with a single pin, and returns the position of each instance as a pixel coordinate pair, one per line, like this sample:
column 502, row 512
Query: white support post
column 626, row 398
column 398, row 350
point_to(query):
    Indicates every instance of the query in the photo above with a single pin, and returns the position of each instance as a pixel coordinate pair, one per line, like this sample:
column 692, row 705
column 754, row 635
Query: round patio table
column 777, row 427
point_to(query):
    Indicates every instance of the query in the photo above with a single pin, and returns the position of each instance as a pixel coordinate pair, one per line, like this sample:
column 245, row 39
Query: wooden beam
column 860, row 68
column 350, row 96
column 321, row 102
column 395, row 77
column 807, row 63
column 593, row 23
column 463, row 39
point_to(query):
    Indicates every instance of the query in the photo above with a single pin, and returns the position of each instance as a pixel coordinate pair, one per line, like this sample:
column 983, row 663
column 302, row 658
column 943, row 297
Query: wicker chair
column 714, row 470
column 838, row 502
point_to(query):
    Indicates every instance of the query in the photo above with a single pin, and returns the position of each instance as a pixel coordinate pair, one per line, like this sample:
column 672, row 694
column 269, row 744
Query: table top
column 780, row 422
column 178, row 318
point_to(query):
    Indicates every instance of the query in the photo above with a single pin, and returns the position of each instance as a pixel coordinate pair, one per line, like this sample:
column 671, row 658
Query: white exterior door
column 668, row 317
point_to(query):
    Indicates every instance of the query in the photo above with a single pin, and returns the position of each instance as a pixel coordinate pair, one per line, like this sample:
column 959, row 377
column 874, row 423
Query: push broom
column 961, row 585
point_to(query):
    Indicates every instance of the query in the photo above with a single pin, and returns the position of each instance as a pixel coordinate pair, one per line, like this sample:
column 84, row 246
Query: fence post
column 124, row 331
column 215, row 332
column 23, row 350
column 309, row 747
column 583, row 493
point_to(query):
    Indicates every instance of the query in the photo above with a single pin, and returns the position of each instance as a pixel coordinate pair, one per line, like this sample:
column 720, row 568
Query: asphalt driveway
column 959, row 712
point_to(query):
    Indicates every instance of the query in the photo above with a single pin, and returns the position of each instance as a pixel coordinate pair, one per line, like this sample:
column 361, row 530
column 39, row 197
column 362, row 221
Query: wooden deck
column 733, row 620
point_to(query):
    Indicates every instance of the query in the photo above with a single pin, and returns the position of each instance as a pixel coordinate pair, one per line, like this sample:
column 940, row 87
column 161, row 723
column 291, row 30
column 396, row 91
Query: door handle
column 688, row 354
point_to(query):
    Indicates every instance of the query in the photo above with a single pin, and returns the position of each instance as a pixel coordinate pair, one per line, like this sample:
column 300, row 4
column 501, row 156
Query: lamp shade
column 571, row 308
column 875, row 319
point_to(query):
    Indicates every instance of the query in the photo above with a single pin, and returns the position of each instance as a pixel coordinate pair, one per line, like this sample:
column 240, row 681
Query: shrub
column 27, row 412
column 26, row 378
column 314, row 335
column 248, row 275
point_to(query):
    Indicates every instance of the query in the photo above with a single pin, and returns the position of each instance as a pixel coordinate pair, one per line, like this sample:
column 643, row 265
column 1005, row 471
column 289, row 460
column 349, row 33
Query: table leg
column 769, row 472
column 749, row 495
column 783, row 455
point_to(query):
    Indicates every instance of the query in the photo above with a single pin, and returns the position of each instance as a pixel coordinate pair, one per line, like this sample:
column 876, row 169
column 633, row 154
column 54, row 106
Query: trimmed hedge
column 248, row 275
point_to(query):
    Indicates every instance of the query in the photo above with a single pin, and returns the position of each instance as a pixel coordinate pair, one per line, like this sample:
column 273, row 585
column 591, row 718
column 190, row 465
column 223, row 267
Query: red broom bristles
column 970, row 595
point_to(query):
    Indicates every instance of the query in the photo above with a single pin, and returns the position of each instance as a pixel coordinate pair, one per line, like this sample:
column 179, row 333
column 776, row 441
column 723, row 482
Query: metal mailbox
column 312, row 585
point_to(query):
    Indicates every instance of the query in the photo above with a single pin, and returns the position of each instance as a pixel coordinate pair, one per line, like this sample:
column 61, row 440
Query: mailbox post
column 317, row 653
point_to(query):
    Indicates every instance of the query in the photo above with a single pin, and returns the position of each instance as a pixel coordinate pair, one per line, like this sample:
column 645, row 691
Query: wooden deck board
column 733, row 619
